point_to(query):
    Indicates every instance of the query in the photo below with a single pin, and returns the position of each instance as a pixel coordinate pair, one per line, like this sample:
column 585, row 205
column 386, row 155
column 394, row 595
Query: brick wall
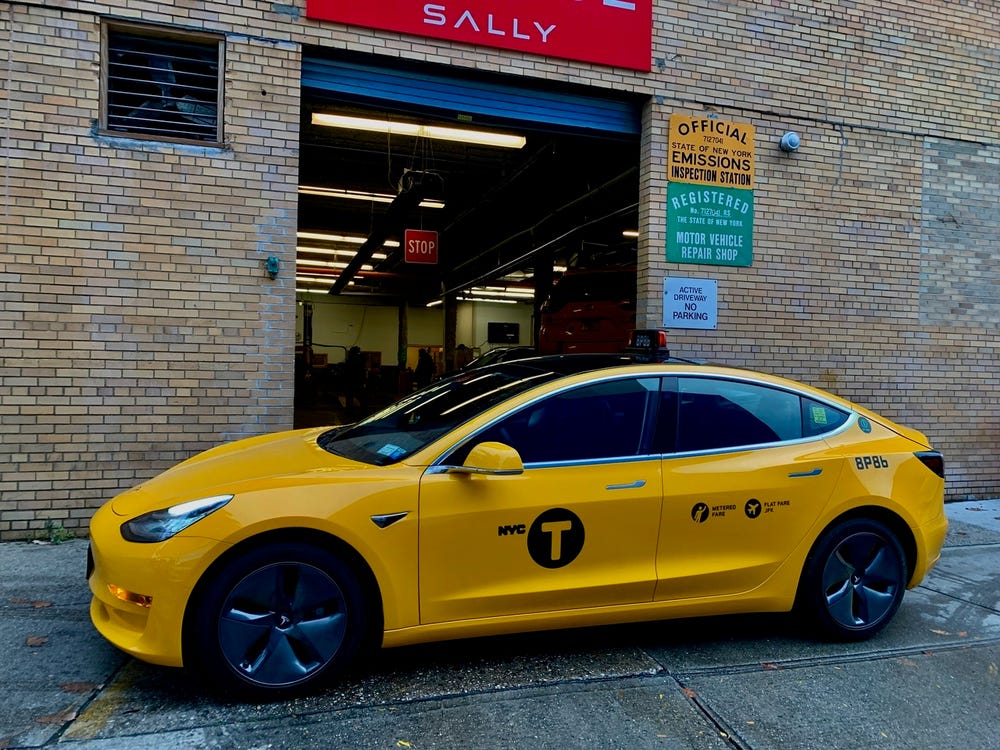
column 138, row 326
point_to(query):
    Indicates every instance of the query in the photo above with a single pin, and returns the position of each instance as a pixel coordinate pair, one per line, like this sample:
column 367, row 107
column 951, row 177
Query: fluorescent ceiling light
column 493, row 291
column 324, row 280
column 630, row 233
column 351, row 239
column 416, row 130
column 518, row 276
column 483, row 299
column 361, row 195
column 335, row 252
column 499, row 294
column 327, row 264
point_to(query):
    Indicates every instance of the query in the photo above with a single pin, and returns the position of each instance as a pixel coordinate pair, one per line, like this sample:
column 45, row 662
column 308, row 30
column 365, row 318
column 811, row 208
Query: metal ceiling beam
column 409, row 197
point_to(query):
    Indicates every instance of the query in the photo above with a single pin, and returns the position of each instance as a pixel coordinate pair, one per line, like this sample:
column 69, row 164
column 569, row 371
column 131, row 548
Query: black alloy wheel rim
column 861, row 580
column 282, row 624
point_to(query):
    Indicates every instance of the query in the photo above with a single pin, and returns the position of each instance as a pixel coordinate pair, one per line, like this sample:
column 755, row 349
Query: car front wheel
column 854, row 580
column 277, row 620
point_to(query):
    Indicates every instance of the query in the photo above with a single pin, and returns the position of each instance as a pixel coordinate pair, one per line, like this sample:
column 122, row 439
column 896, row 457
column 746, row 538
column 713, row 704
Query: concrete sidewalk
column 929, row 681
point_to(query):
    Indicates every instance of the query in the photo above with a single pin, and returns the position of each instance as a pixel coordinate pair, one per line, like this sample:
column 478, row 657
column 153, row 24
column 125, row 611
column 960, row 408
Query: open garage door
column 470, row 96
column 509, row 218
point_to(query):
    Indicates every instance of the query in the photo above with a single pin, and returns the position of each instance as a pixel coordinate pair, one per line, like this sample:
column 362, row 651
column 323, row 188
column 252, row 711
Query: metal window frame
column 111, row 26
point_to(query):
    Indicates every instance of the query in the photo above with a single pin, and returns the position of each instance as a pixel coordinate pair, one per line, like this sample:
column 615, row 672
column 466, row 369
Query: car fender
column 389, row 552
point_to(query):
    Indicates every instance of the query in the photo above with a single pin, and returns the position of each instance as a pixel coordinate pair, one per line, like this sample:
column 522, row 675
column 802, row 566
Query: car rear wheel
column 277, row 620
column 854, row 580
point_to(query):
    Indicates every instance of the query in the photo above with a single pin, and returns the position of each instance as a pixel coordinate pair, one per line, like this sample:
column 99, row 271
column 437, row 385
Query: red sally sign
column 607, row 32
column 420, row 246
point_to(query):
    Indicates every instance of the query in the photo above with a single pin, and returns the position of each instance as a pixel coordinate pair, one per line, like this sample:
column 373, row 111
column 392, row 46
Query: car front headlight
column 160, row 525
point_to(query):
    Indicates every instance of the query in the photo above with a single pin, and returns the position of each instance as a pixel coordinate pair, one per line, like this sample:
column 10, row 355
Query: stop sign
column 420, row 246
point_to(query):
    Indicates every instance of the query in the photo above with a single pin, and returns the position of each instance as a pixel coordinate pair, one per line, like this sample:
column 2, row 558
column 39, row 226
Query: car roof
column 572, row 364
column 501, row 354
column 568, row 365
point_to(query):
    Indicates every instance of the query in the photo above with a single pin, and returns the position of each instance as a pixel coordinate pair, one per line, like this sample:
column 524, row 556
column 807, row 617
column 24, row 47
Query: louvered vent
column 163, row 87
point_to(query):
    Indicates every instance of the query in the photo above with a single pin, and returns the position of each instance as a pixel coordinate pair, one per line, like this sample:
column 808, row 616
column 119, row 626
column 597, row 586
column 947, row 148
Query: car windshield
column 418, row 420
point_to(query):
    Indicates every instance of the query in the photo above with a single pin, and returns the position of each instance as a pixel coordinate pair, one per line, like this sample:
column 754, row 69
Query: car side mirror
column 490, row 458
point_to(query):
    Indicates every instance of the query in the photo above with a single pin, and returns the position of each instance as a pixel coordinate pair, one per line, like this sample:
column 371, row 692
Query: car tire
column 276, row 621
column 854, row 579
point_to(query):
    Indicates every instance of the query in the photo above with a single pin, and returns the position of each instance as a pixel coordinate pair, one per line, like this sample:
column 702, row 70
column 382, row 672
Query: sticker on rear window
column 818, row 415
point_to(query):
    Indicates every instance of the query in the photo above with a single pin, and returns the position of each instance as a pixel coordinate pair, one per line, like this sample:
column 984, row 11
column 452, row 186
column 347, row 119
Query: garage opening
column 439, row 211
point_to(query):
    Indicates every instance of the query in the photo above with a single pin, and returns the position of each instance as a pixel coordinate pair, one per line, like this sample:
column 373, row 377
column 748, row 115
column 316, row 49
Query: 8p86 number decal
column 870, row 462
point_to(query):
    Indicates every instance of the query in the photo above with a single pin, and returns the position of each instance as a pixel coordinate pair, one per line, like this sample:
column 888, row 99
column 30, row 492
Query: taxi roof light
column 647, row 338
column 648, row 345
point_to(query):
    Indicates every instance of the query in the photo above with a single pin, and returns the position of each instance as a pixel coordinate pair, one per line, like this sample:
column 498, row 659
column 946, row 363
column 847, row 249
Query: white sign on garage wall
column 690, row 303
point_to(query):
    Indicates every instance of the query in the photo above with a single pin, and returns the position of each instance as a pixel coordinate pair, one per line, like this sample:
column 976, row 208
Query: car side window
column 819, row 419
column 599, row 421
column 717, row 413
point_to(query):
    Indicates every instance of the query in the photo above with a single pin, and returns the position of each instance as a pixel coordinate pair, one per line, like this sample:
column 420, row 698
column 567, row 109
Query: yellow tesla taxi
column 548, row 492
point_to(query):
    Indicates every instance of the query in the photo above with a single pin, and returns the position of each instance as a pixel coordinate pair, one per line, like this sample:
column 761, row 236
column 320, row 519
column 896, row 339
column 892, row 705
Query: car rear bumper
column 930, row 540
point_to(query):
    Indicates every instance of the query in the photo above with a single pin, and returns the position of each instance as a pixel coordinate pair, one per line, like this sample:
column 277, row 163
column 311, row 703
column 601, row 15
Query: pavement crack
column 979, row 545
column 960, row 599
column 86, row 704
column 725, row 730
column 832, row 659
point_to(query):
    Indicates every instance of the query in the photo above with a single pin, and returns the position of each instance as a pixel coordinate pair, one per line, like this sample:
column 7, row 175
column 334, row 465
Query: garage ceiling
column 565, row 197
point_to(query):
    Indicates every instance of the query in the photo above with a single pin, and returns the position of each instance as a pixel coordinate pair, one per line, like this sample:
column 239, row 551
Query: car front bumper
column 141, row 591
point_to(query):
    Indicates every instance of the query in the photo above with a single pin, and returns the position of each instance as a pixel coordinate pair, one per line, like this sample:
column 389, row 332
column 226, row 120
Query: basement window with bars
column 163, row 85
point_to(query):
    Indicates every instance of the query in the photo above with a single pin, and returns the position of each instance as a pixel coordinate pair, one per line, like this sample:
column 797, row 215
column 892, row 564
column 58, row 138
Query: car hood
column 229, row 468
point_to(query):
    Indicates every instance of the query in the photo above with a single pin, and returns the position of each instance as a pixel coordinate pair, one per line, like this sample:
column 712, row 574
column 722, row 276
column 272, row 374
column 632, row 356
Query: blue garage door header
column 458, row 95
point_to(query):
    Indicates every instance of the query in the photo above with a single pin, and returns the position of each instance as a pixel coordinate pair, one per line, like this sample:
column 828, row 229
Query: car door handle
column 633, row 486
column 813, row 473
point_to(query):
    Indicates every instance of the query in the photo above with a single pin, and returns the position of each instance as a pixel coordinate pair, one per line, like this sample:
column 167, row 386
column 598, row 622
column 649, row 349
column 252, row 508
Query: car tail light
column 933, row 461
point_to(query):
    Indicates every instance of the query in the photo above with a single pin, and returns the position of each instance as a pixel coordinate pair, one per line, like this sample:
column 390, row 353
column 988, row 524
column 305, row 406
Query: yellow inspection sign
column 706, row 151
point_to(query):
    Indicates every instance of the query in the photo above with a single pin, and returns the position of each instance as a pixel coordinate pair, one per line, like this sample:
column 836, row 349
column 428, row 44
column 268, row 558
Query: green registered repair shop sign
column 708, row 224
